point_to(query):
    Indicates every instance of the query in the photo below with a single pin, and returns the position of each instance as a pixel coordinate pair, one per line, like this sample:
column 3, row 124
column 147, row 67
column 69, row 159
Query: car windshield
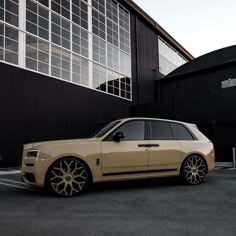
column 105, row 129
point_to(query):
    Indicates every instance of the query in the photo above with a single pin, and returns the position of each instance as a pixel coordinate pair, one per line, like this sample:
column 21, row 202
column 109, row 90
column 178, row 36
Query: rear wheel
column 194, row 170
column 67, row 177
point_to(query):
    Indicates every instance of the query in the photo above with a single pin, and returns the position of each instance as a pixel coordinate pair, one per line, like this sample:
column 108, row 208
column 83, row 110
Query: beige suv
column 133, row 148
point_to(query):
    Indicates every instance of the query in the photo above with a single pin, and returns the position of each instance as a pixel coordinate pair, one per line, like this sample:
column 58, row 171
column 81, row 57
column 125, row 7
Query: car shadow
column 109, row 187
column 133, row 185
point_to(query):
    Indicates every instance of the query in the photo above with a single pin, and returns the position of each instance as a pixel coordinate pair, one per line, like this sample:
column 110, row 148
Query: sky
column 200, row 26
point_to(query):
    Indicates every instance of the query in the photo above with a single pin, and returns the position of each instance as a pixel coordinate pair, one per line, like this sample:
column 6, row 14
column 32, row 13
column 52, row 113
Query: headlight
column 32, row 153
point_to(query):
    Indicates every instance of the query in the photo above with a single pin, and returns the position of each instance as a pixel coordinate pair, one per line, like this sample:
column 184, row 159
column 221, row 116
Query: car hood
column 59, row 142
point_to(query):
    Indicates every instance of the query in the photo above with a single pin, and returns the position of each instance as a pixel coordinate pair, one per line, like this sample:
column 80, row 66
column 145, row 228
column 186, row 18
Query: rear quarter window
column 161, row 130
column 180, row 132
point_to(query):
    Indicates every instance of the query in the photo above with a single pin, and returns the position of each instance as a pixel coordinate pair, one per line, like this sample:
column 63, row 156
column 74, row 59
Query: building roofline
column 158, row 27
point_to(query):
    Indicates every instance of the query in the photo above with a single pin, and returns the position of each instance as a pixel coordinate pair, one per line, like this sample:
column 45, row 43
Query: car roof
column 151, row 118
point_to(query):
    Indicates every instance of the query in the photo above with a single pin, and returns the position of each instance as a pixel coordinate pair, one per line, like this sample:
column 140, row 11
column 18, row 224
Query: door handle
column 154, row 145
column 148, row 145
column 143, row 145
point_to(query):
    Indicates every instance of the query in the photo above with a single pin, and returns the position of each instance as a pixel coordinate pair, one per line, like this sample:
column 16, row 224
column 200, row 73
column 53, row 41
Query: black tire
column 193, row 170
column 67, row 177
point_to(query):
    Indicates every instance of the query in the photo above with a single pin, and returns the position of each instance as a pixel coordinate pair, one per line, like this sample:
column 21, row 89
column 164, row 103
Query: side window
column 133, row 130
column 180, row 132
column 161, row 130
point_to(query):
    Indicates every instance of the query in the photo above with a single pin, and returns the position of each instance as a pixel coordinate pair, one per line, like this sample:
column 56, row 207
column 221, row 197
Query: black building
column 202, row 91
column 68, row 67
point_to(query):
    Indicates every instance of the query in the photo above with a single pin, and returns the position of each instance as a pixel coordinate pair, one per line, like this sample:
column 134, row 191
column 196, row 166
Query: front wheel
column 194, row 170
column 67, row 177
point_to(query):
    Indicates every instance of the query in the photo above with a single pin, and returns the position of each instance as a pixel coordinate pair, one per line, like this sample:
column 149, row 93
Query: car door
column 128, row 158
column 164, row 152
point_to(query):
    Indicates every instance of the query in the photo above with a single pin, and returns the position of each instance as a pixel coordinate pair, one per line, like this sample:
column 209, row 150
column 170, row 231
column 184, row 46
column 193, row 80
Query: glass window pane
column 11, row 45
column 1, row 41
column 43, row 23
column 31, row 41
column 55, row 7
column 11, row 33
column 180, row 132
column 11, row 7
column 11, row 57
column 31, row 28
column 43, row 57
column 65, row 75
column 43, row 46
column 31, row 53
column 42, row 67
column 31, row 64
column 133, row 130
column 56, row 61
column 44, row 2
column 56, row 72
column 11, row 19
column 43, row 13
column 31, row 6
column 2, row 4
column 56, row 39
column 43, row 33
column 161, row 131
column 1, row 54
column 32, row 17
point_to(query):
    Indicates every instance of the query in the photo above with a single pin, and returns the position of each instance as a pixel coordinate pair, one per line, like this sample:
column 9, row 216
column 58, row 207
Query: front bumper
column 33, row 170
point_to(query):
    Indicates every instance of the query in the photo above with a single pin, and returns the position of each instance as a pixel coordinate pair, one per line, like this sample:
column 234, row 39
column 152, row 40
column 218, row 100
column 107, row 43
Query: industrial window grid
column 9, row 40
column 58, row 43
column 37, row 20
column 9, row 11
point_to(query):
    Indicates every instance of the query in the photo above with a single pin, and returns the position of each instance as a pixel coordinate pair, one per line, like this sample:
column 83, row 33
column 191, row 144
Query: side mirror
column 118, row 136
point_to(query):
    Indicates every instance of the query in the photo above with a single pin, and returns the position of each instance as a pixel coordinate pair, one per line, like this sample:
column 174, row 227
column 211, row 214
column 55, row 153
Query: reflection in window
column 8, row 44
column 125, row 64
column 113, row 83
column 112, row 57
column 80, row 40
column 37, row 54
column 99, row 77
column 125, row 86
column 169, row 58
column 60, row 63
column 80, row 70
column 99, row 50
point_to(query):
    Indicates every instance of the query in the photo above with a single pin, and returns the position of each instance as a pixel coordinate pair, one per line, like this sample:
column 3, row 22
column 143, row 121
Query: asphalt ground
column 147, row 207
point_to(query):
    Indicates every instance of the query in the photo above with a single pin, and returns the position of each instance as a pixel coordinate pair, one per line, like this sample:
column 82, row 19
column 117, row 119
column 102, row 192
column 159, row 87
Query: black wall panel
column 147, row 61
column 34, row 107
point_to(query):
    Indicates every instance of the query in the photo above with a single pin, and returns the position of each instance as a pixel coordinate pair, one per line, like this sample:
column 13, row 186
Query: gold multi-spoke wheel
column 194, row 170
column 67, row 177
